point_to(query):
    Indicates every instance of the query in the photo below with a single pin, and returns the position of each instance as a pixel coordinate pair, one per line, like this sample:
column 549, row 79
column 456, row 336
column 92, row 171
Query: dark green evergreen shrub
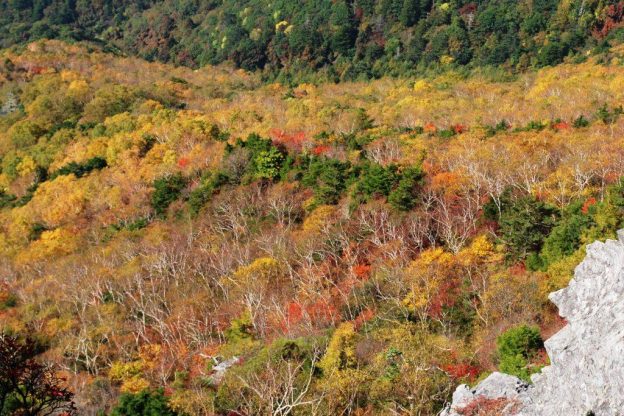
column 524, row 224
column 144, row 403
column 580, row 122
column 565, row 238
column 516, row 348
column 166, row 191
column 327, row 177
column 404, row 196
column 81, row 169
column 376, row 180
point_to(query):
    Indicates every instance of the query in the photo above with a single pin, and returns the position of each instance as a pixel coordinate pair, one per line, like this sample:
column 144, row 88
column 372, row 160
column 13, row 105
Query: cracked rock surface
column 587, row 356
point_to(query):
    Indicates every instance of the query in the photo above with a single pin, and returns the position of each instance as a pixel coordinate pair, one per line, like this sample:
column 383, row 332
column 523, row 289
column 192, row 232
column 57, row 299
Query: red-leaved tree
column 28, row 387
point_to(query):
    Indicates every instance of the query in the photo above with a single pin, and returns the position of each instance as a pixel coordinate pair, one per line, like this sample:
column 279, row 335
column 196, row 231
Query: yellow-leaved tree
column 343, row 383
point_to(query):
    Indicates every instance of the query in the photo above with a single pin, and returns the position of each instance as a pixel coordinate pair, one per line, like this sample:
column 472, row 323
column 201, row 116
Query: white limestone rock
column 495, row 386
column 221, row 367
column 586, row 375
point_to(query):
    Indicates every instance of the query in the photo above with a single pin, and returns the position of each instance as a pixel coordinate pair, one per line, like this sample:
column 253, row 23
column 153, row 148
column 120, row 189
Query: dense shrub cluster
column 143, row 403
column 517, row 348
column 80, row 169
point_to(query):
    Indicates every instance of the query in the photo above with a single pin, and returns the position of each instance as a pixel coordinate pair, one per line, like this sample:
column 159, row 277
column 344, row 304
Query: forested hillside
column 200, row 242
column 343, row 39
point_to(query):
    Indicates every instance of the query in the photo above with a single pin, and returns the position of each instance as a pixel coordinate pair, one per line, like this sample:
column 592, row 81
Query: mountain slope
column 339, row 248
column 346, row 38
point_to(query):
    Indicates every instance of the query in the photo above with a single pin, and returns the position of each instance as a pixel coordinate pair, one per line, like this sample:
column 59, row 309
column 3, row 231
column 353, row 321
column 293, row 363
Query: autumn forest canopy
column 327, row 39
column 197, row 219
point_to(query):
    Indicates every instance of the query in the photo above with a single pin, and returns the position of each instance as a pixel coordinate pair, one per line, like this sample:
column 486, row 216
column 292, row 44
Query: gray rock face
column 11, row 103
column 221, row 367
column 501, row 392
column 587, row 356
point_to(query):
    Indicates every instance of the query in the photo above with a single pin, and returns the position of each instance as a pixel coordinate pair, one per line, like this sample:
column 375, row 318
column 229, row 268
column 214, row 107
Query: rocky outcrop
column 586, row 375
column 499, row 394
column 221, row 367
column 10, row 104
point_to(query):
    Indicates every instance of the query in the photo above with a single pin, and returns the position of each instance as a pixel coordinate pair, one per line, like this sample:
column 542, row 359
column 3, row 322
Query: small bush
column 8, row 300
column 534, row 125
column 147, row 142
column 81, row 169
column 609, row 116
column 566, row 237
column 580, row 122
column 268, row 163
column 403, row 198
column 377, row 180
column 446, row 134
column 166, row 191
column 202, row 194
column 524, row 224
column 502, row 125
column 36, row 230
column 144, row 403
column 516, row 348
column 131, row 225
column 327, row 177
column 6, row 199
